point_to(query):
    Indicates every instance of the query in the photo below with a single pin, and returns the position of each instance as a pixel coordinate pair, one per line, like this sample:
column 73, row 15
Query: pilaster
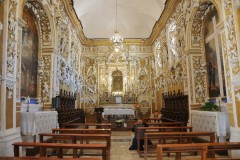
column 9, row 132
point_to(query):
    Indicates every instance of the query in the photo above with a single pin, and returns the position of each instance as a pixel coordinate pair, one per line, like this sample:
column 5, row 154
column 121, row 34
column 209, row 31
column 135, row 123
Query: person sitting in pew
column 139, row 123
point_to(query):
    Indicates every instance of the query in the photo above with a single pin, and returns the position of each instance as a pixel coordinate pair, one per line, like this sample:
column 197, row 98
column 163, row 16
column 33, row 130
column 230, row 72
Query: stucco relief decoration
column 10, row 87
column 45, row 92
column 119, row 57
column 198, row 23
column 42, row 18
column 231, row 38
column 47, row 72
column 158, row 58
column 54, row 6
column 237, row 93
column 91, row 86
column 41, row 68
column 143, row 88
column 12, row 41
column 174, row 45
column 199, row 73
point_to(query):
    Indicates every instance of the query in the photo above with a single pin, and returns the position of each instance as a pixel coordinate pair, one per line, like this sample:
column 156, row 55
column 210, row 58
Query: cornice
column 169, row 9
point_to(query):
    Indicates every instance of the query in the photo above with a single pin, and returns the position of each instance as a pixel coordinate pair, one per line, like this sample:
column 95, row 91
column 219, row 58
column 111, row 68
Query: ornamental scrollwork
column 198, row 22
column 43, row 20
column 199, row 74
column 231, row 38
column 12, row 38
column 10, row 88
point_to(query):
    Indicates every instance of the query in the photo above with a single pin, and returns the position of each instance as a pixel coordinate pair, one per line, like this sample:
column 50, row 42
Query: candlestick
column 28, row 100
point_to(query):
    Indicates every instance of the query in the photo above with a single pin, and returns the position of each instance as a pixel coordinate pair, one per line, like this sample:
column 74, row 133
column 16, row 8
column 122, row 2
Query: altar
column 217, row 122
column 33, row 123
column 118, row 110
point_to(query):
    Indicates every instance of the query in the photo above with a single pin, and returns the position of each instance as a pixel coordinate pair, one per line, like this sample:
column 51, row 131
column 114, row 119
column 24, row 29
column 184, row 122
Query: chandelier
column 117, row 39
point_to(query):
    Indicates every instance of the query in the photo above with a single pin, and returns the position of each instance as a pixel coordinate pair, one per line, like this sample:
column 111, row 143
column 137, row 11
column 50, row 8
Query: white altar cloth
column 217, row 122
column 32, row 107
column 118, row 111
column 33, row 123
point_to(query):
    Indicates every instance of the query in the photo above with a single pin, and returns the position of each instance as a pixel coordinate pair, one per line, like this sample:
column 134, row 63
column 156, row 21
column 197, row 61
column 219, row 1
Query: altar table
column 33, row 123
column 217, row 122
column 118, row 111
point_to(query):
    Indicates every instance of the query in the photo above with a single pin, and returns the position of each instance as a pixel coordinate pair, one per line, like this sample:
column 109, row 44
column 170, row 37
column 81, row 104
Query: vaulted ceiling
column 135, row 18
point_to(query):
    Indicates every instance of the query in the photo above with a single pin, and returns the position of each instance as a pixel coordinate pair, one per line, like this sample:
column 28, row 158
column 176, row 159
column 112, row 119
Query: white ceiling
column 135, row 18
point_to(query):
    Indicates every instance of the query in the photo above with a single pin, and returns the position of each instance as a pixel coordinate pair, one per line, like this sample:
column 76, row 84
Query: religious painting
column 29, row 57
column 117, row 81
column 212, row 69
column 214, row 57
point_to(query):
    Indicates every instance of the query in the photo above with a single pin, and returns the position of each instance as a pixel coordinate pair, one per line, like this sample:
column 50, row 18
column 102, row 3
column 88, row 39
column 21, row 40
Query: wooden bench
column 59, row 147
column 75, row 137
column 180, row 136
column 204, row 148
column 81, row 131
column 161, row 124
column 45, row 158
column 86, row 125
column 149, row 120
column 141, row 130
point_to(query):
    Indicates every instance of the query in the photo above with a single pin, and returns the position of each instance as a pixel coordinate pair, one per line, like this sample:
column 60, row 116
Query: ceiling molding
column 167, row 12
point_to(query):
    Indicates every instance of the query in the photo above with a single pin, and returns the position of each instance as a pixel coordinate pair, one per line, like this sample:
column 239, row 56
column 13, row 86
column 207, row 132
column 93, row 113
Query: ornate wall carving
column 199, row 75
column 231, row 40
column 12, row 38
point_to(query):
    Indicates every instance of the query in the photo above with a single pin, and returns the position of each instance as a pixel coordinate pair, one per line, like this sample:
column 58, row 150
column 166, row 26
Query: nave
column 119, row 150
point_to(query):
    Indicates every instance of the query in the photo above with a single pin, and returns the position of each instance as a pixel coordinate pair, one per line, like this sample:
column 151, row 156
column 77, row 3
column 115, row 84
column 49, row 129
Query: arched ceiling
column 135, row 18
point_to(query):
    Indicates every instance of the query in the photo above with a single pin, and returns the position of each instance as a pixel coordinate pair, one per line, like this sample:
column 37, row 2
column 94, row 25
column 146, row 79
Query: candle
column 28, row 99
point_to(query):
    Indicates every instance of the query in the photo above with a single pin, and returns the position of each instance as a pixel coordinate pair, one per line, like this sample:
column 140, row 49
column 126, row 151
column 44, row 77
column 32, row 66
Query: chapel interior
column 111, row 65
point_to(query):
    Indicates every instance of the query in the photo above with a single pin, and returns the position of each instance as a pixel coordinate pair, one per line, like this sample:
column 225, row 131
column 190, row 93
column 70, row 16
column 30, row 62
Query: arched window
column 214, row 57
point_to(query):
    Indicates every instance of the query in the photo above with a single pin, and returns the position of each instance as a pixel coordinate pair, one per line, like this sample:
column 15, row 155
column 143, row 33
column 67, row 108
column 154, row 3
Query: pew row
column 203, row 148
column 87, row 125
column 142, row 130
column 59, row 147
column 81, row 131
column 45, row 158
column 181, row 137
column 77, row 137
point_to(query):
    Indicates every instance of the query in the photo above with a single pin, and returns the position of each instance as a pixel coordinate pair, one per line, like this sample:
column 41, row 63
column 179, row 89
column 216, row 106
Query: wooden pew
column 150, row 120
column 141, row 130
column 161, row 124
column 180, row 136
column 86, row 125
column 45, row 158
column 59, row 146
column 75, row 137
column 204, row 148
column 81, row 131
